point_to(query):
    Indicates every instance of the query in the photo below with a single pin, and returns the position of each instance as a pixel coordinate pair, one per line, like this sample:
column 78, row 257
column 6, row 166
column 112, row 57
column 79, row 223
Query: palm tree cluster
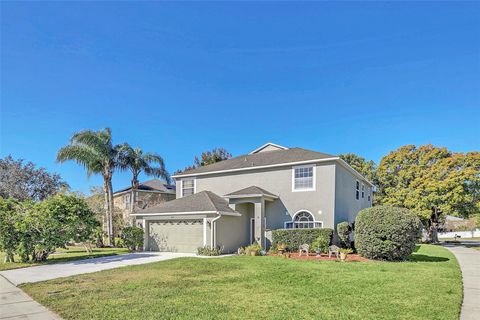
column 95, row 151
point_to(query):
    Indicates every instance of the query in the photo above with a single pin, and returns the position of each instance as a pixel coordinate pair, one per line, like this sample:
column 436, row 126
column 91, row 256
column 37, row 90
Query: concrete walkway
column 16, row 304
column 469, row 260
column 60, row 270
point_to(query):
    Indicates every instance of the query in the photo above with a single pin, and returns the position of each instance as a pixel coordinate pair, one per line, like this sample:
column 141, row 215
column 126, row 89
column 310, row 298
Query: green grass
column 63, row 255
column 427, row 287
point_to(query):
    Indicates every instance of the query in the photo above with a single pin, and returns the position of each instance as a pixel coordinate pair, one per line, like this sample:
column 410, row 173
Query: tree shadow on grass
column 425, row 258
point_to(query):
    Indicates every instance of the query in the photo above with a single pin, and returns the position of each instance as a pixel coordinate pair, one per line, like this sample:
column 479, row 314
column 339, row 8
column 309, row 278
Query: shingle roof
column 153, row 185
column 252, row 190
column 261, row 159
column 199, row 202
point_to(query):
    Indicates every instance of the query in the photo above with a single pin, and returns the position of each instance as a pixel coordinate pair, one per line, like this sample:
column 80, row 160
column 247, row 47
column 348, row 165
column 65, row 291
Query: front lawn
column 243, row 287
column 63, row 255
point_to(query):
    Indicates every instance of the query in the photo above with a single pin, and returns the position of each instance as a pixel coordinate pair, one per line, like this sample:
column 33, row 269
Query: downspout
column 213, row 242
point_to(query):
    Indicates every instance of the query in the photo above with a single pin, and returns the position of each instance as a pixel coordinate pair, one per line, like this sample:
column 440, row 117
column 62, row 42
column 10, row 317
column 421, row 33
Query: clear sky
column 181, row 78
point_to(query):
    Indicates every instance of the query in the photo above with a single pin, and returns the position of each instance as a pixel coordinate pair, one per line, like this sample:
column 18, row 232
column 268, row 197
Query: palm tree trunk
column 133, row 198
column 106, row 226
column 111, row 207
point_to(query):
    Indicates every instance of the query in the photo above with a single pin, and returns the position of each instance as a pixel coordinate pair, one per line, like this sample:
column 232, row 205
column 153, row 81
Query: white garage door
column 175, row 235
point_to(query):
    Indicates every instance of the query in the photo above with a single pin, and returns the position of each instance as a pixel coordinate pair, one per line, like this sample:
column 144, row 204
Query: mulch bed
column 324, row 257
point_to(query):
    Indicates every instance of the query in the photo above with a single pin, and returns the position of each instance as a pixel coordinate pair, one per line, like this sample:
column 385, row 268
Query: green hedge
column 386, row 233
column 293, row 238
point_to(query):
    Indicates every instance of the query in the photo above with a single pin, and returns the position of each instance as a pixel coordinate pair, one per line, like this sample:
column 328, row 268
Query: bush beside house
column 132, row 238
column 386, row 233
column 294, row 238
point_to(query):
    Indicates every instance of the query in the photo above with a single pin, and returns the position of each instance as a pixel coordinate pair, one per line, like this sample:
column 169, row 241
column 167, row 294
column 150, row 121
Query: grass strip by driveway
column 62, row 255
column 427, row 287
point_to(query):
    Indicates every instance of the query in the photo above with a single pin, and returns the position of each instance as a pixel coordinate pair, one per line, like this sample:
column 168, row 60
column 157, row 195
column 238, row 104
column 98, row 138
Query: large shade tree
column 364, row 167
column 431, row 181
column 137, row 162
column 22, row 181
column 95, row 151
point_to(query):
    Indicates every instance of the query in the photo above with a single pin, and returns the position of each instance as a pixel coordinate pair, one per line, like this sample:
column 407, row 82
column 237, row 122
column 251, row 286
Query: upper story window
column 126, row 200
column 188, row 187
column 369, row 192
column 303, row 178
column 363, row 191
column 357, row 190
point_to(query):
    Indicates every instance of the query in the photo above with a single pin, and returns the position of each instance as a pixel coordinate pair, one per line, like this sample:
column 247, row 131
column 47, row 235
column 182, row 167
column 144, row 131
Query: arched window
column 303, row 219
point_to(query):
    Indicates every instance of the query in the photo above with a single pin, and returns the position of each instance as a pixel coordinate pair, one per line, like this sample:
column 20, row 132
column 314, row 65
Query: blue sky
column 181, row 78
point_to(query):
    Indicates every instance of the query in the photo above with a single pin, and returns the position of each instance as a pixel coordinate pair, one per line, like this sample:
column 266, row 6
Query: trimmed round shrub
column 386, row 233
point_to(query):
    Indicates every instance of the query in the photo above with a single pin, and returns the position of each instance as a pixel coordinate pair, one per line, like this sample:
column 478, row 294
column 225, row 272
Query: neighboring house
column 457, row 224
column 236, row 202
column 150, row 193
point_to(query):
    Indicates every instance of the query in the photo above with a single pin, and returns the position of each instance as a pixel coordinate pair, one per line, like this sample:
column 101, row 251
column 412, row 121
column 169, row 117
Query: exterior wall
column 320, row 202
column 144, row 200
column 234, row 232
column 346, row 204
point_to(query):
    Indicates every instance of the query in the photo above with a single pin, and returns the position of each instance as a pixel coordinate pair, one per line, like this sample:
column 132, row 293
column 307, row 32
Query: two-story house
column 149, row 193
column 235, row 202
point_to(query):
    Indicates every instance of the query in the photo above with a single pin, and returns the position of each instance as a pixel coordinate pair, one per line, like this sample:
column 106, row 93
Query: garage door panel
column 176, row 235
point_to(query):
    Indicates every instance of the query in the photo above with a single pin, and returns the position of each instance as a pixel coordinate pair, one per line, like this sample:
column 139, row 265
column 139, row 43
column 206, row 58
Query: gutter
column 213, row 242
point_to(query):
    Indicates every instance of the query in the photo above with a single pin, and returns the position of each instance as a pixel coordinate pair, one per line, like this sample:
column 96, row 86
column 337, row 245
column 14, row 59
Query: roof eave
column 284, row 164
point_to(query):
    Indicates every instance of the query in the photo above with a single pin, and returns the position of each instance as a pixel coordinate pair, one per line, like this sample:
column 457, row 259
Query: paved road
column 16, row 304
column 60, row 270
column 469, row 260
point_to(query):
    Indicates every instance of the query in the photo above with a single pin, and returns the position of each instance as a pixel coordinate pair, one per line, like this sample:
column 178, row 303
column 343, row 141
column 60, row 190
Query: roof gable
column 268, row 147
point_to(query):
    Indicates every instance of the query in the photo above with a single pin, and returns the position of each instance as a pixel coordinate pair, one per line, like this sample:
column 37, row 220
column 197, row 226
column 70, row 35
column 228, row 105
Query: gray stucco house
column 238, row 201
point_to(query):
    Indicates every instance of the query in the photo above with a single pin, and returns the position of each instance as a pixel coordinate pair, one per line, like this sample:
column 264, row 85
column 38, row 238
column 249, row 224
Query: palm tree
column 135, row 160
column 96, row 153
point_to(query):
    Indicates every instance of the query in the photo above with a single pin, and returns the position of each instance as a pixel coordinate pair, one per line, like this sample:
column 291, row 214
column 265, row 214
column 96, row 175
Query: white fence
column 462, row 234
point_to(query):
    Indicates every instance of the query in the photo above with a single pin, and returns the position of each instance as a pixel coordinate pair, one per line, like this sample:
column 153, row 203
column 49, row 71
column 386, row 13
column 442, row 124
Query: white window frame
column 300, row 211
column 194, row 186
column 314, row 177
column 363, row 190
column 357, row 190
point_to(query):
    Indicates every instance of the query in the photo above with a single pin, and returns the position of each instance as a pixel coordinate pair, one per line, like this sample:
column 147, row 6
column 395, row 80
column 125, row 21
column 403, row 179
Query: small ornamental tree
column 54, row 222
column 343, row 231
column 386, row 233
column 132, row 238
column 8, row 230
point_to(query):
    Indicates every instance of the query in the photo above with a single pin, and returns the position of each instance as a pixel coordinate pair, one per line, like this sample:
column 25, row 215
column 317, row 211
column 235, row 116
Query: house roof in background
column 201, row 202
column 153, row 185
column 265, row 158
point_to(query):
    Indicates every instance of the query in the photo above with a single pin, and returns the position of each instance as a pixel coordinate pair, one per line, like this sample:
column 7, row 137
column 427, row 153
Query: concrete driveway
column 60, row 270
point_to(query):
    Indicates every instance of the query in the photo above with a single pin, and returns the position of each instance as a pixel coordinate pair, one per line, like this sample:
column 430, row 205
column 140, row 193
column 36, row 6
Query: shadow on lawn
column 425, row 258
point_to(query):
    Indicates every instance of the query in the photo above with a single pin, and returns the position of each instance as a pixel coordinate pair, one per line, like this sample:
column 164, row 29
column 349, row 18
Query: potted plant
column 253, row 249
column 281, row 248
column 344, row 253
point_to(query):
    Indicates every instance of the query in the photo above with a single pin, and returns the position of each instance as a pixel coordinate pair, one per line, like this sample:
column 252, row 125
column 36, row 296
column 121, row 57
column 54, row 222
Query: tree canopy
column 208, row 157
column 24, row 181
column 426, row 177
column 364, row 167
